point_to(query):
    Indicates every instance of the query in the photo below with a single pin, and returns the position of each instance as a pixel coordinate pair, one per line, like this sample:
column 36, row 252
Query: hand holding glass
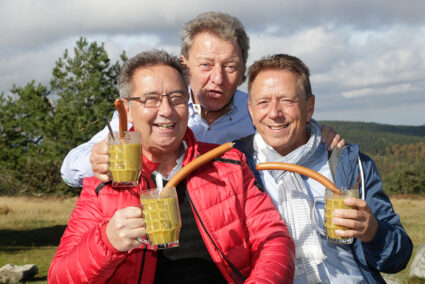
column 333, row 201
column 162, row 217
column 125, row 158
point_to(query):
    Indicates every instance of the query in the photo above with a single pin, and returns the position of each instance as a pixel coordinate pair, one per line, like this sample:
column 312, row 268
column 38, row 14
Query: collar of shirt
column 179, row 164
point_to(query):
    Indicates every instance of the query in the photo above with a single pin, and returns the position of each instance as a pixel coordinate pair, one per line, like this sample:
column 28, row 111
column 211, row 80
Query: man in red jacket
column 231, row 231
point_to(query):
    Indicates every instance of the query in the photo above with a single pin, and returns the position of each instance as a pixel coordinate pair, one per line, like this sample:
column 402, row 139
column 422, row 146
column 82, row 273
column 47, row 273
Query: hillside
column 374, row 138
column 398, row 151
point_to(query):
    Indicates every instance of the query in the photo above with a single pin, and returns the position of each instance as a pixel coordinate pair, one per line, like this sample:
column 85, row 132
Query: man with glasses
column 215, row 49
column 231, row 232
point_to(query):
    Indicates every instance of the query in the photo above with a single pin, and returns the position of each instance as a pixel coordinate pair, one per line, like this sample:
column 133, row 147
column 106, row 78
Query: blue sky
column 367, row 58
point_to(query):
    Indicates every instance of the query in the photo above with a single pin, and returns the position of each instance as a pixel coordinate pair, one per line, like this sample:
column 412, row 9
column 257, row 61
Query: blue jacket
column 391, row 248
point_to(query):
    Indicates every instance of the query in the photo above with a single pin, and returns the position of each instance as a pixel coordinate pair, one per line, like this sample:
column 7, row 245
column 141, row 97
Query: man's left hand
column 361, row 222
column 330, row 137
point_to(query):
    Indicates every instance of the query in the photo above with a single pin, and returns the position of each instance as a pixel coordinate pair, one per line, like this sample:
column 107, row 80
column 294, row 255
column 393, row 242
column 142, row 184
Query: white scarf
column 294, row 202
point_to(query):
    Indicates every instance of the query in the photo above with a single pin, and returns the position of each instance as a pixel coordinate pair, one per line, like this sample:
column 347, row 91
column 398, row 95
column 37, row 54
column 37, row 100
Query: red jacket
column 241, row 220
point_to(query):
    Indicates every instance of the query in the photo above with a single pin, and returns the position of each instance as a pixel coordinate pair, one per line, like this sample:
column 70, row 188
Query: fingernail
column 335, row 220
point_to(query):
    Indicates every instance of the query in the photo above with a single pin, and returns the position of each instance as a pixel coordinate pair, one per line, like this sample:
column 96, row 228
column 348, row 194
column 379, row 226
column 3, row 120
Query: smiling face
column 216, row 68
column 162, row 128
column 279, row 111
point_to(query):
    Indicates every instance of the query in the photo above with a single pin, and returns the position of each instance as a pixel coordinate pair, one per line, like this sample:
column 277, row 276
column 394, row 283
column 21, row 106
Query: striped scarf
column 294, row 202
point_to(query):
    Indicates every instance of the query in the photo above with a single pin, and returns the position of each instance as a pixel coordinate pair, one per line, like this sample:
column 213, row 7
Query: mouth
column 215, row 93
column 278, row 127
column 170, row 125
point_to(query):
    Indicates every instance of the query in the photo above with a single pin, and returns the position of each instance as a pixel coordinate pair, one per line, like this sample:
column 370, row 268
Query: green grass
column 30, row 231
column 31, row 228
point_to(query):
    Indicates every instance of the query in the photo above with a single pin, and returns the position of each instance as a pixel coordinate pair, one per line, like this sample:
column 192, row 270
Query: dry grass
column 30, row 229
column 410, row 209
column 30, row 212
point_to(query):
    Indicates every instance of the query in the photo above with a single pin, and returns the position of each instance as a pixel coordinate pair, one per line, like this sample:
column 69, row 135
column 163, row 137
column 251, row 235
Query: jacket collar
column 191, row 153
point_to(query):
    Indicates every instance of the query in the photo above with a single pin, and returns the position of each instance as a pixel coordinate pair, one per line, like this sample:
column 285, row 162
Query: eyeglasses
column 176, row 98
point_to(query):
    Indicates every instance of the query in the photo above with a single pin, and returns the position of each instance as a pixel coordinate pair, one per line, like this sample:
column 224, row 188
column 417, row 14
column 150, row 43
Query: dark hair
column 148, row 58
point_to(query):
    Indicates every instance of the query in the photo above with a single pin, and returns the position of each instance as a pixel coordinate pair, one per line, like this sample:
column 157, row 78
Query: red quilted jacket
column 242, row 222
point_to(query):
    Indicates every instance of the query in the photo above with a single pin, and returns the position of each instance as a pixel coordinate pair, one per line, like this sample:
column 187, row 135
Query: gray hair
column 223, row 25
column 147, row 58
column 282, row 62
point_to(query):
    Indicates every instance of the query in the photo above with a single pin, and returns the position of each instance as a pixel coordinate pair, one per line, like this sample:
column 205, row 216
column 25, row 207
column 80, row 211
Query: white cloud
column 384, row 91
column 362, row 54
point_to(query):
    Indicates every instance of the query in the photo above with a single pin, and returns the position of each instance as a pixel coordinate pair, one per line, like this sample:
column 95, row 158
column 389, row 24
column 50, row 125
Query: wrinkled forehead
column 210, row 34
column 270, row 79
column 160, row 79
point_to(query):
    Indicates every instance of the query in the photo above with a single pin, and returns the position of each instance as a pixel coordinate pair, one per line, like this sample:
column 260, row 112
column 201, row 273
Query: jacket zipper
column 142, row 265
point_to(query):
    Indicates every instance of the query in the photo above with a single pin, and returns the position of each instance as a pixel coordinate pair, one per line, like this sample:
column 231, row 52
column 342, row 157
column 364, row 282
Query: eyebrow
column 180, row 91
column 232, row 58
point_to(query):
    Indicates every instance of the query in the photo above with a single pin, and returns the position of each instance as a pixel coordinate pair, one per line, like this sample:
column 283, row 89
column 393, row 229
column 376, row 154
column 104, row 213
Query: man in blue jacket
column 281, row 105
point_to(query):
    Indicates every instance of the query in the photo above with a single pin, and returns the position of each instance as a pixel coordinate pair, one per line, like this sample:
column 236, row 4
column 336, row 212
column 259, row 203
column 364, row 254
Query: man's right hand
column 125, row 227
column 99, row 159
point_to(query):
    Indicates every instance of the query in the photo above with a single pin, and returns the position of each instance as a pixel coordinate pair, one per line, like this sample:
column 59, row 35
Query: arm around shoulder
column 76, row 165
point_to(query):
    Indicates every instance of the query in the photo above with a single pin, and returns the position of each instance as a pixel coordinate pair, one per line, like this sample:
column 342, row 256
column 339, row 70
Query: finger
column 101, row 159
column 136, row 233
column 346, row 233
column 333, row 141
column 98, row 155
column 102, row 148
column 356, row 202
column 348, row 223
column 102, row 177
column 129, row 236
column 101, row 168
column 341, row 143
column 131, row 212
column 135, row 223
column 352, row 214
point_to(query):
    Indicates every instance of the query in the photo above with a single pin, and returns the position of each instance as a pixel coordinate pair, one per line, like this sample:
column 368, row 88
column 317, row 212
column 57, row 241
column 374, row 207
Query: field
column 31, row 228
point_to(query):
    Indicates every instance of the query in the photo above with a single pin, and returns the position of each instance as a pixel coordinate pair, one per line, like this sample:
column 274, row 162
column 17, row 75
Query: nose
column 165, row 107
column 217, row 75
column 274, row 110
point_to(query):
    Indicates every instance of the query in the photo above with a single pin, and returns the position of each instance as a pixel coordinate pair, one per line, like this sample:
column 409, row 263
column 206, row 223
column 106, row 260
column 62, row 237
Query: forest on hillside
column 398, row 151
column 40, row 124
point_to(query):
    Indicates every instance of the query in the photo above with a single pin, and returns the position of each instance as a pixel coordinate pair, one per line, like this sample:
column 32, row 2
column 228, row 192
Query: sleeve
column 272, row 248
column 391, row 248
column 84, row 255
column 76, row 165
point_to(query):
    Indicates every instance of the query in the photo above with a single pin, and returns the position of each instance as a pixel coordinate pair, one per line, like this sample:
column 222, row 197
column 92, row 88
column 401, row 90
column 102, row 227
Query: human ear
column 310, row 107
column 183, row 60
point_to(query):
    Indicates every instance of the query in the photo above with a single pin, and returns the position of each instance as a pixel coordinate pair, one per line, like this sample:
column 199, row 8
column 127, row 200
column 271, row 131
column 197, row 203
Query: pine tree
column 24, row 115
column 39, row 126
column 85, row 86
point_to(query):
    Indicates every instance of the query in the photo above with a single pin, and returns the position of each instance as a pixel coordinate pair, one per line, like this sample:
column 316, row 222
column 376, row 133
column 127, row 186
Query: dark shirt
column 190, row 262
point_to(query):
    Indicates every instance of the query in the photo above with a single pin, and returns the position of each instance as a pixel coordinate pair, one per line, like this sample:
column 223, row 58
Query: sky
column 366, row 58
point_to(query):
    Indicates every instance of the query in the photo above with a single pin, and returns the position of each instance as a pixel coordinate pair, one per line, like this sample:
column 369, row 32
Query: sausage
column 199, row 161
column 119, row 105
column 301, row 170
